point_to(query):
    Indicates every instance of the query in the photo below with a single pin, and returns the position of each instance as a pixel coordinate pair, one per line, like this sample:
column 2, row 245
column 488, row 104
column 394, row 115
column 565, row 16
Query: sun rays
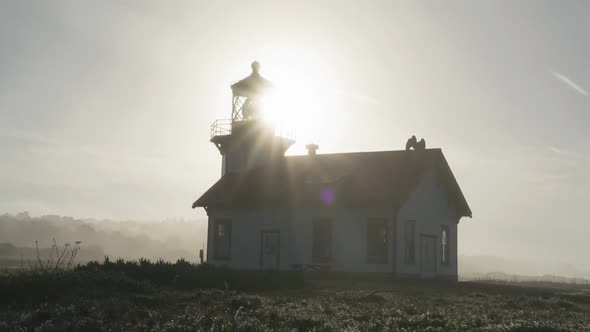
column 298, row 104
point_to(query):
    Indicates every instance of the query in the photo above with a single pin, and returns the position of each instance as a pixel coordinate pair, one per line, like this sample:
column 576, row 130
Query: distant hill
column 169, row 239
column 491, row 267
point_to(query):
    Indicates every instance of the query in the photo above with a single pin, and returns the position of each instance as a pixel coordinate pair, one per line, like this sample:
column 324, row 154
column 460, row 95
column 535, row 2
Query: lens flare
column 328, row 196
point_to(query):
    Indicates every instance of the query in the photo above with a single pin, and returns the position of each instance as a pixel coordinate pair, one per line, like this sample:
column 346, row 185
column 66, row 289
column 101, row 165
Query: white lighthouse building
column 388, row 212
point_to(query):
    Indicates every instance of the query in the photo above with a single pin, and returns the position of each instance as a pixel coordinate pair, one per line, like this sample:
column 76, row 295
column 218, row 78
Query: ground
column 325, row 305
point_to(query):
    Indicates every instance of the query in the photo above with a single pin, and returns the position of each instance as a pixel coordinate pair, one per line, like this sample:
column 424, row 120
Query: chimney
column 311, row 149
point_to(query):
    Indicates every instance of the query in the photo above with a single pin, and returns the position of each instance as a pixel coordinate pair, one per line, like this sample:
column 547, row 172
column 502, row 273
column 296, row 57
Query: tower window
column 377, row 241
column 222, row 239
column 322, row 241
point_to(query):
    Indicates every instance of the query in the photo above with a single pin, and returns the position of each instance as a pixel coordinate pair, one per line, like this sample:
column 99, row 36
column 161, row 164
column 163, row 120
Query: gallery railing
column 223, row 127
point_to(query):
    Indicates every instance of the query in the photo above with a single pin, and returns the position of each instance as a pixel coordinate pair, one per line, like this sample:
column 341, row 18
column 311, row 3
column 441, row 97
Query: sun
column 297, row 103
column 293, row 115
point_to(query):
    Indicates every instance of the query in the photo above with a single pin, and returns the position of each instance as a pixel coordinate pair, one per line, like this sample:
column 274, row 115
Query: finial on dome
column 255, row 67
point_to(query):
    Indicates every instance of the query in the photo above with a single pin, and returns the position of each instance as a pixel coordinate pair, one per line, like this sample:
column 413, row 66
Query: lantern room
column 247, row 95
column 245, row 140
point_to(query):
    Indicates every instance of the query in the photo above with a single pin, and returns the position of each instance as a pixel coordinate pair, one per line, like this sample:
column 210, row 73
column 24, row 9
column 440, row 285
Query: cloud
column 570, row 83
column 559, row 151
column 566, row 154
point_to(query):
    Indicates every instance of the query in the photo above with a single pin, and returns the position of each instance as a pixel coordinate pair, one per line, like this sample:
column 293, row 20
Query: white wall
column 349, row 237
column 349, row 226
column 428, row 206
column 245, row 236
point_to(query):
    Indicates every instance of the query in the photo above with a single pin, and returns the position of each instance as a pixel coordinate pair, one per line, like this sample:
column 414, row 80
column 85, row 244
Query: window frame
column 383, row 258
column 315, row 257
column 227, row 230
column 445, row 249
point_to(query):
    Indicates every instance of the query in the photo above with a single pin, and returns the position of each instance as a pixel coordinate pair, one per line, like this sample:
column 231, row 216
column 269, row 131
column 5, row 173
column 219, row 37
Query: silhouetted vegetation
column 161, row 296
column 139, row 275
column 187, row 275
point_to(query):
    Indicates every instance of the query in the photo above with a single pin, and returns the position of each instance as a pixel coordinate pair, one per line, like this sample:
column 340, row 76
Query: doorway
column 427, row 256
column 270, row 250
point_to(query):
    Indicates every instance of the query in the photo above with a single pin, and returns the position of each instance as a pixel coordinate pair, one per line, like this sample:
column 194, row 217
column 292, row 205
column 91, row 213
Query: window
column 444, row 242
column 377, row 241
column 222, row 239
column 322, row 241
column 409, row 242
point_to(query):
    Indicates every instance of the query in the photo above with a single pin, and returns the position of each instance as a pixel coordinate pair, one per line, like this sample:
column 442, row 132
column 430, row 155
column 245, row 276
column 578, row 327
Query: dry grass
column 328, row 305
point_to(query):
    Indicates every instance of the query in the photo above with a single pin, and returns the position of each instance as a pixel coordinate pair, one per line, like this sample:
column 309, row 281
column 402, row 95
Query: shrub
column 137, row 276
column 186, row 275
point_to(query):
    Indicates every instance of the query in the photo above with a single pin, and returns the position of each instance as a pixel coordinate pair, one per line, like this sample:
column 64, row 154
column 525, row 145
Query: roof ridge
column 360, row 153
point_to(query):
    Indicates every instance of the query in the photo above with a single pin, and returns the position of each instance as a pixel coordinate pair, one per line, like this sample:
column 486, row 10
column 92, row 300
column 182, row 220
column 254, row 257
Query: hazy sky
column 105, row 106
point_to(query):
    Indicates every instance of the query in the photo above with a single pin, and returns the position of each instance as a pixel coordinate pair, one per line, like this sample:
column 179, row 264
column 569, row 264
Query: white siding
column 349, row 239
column 245, row 238
column 428, row 206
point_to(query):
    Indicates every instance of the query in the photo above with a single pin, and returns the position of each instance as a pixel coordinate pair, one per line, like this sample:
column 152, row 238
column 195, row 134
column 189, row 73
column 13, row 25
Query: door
column 427, row 256
column 270, row 250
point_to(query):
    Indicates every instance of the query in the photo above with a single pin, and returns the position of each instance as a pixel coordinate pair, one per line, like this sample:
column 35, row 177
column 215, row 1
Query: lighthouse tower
column 245, row 140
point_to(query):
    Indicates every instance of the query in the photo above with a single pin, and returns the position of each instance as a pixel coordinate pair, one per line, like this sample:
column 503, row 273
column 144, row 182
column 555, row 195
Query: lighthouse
column 385, row 212
column 246, row 140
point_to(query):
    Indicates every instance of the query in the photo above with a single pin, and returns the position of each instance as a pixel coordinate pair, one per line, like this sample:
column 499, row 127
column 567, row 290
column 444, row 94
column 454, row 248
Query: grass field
column 107, row 300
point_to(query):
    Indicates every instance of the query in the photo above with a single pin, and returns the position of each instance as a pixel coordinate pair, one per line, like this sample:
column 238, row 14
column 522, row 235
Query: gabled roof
column 371, row 178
